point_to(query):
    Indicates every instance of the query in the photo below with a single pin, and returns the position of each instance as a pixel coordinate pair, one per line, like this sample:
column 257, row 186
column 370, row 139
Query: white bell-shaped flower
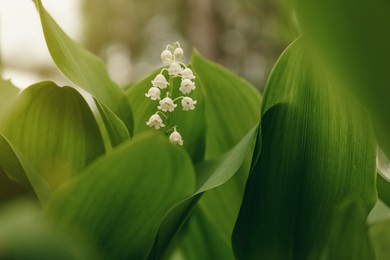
column 188, row 103
column 186, row 86
column 187, row 74
column 160, row 81
column 155, row 121
column 178, row 53
column 174, row 69
column 167, row 104
column 175, row 138
column 166, row 56
column 153, row 93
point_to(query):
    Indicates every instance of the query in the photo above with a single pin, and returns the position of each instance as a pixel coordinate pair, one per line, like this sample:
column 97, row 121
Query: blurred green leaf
column 83, row 68
column 25, row 236
column 53, row 129
column 349, row 234
column 232, row 109
column 191, row 124
column 380, row 238
column 8, row 93
column 352, row 37
column 122, row 199
column 210, row 174
column 9, row 189
column 317, row 149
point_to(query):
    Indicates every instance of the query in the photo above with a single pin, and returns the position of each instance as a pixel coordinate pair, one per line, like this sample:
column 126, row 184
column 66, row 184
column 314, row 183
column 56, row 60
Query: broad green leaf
column 352, row 37
column 349, row 234
column 232, row 108
column 54, row 129
column 210, row 174
column 317, row 149
column 8, row 93
column 190, row 124
column 121, row 200
column 380, row 239
column 83, row 68
column 25, row 236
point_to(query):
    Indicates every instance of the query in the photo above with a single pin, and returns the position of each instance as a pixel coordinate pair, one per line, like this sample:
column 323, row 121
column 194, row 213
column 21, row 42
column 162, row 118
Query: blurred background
column 245, row 36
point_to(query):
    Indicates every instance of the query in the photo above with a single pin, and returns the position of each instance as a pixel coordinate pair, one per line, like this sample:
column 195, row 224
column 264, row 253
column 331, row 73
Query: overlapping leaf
column 317, row 149
column 232, row 108
column 122, row 199
column 210, row 174
column 55, row 132
column 84, row 69
column 19, row 169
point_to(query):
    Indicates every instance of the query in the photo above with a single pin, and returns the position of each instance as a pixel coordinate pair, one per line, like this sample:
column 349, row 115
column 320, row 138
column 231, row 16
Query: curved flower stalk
column 163, row 88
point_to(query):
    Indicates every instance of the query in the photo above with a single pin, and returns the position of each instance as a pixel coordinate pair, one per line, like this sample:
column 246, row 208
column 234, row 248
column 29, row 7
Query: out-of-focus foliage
column 352, row 38
column 247, row 36
column 25, row 236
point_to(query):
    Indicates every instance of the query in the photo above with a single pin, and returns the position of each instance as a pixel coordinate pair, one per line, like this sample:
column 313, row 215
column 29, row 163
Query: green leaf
column 54, row 129
column 25, row 236
column 383, row 182
column 349, row 235
column 8, row 93
column 383, row 186
column 380, row 238
column 18, row 168
column 352, row 38
column 210, row 174
column 317, row 149
column 116, row 129
column 83, row 68
column 232, row 109
column 380, row 212
column 191, row 124
column 121, row 200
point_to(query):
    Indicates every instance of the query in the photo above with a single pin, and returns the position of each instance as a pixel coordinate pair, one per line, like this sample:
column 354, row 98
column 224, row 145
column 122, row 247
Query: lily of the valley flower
column 175, row 138
column 160, row 81
column 178, row 53
column 186, row 86
column 187, row 74
column 166, row 56
column 188, row 103
column 153, row 93
column 167, row 104
column 164, row 84
column 155, row 121
column 174, row 69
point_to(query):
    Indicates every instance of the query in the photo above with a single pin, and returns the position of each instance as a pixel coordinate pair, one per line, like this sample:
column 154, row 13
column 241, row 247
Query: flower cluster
column 164, row 82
